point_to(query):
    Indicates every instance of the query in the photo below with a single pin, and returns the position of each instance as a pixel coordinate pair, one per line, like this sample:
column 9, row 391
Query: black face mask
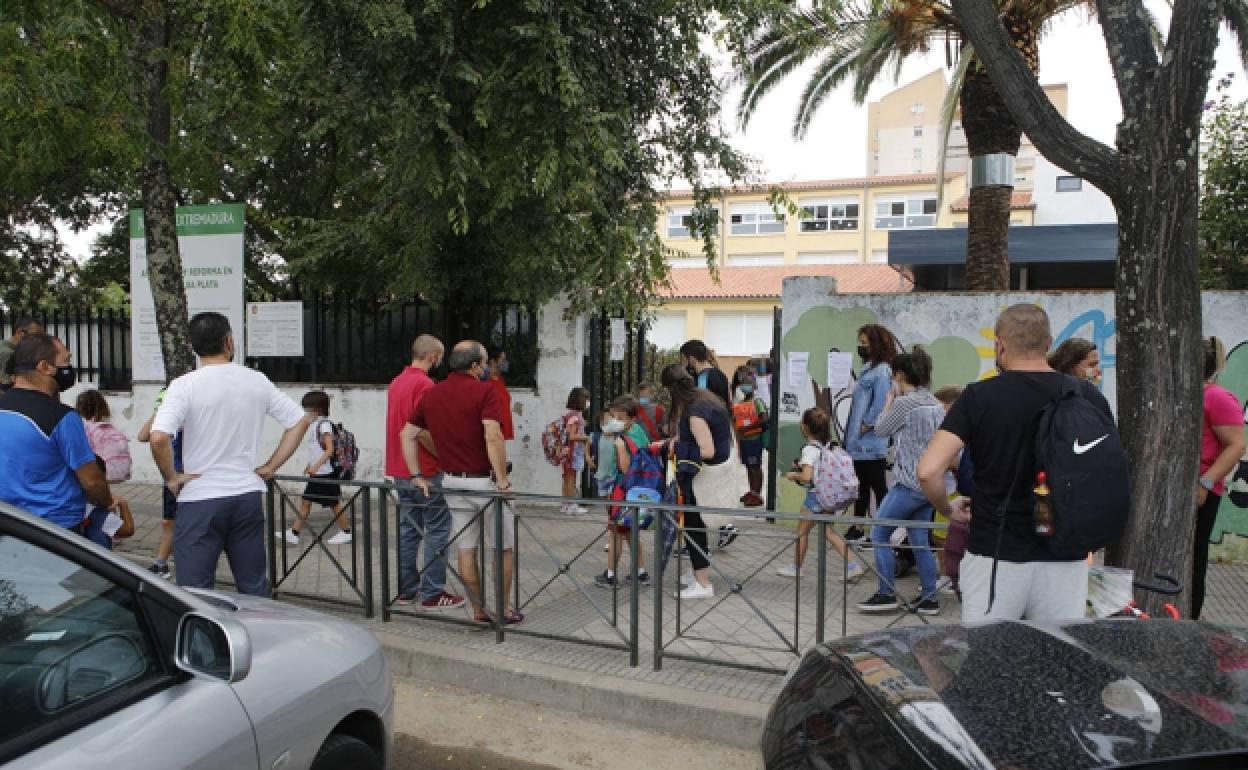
column 65, row 377
column 863, row 352
column 693, row 372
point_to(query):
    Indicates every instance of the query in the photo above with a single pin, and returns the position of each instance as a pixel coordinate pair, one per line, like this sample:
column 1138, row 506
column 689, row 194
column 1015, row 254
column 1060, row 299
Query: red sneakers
column 751, row 500
column 443, row 601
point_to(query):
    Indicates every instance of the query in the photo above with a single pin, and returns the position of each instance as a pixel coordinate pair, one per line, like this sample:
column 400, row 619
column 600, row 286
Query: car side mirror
column 217, row 648
column 108, row 661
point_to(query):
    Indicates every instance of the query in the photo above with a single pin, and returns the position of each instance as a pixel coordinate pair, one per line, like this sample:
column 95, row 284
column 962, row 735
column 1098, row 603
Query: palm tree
column 858, row 39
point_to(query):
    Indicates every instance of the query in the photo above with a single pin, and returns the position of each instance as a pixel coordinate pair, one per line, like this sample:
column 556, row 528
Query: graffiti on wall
column 957, row 331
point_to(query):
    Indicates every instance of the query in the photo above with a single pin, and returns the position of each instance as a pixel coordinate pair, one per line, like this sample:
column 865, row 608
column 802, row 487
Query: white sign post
column 210, row 239
column 275, row 329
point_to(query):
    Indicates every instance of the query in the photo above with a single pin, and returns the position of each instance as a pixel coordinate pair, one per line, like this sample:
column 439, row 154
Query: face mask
column 762, row 367
column 692, row 371
column 65, row 377
column 747, row 390
column 485, row 374
column 996, row 359
column 614, row 425
column 862, row 352
column 644, row 400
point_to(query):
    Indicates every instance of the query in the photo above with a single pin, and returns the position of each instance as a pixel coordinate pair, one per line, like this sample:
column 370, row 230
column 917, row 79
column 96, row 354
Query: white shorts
column 1034, row 590
column 465, row 510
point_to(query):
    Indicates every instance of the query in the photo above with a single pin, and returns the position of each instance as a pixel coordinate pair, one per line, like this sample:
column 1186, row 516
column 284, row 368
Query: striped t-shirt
column 912, row 419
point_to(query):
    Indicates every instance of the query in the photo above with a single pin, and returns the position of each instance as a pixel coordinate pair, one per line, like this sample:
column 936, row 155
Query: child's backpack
column 645, row 471
column 555, row 441
column 836, row 484
column 345, row 454
column 747, row 419
column 112, row 446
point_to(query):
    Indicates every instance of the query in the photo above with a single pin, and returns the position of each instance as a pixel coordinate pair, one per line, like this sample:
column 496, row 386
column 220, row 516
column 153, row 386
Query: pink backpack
column 836, row 484
column 112, row 446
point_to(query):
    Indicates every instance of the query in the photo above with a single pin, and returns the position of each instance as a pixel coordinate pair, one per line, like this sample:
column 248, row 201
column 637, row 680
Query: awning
column 1028, row 244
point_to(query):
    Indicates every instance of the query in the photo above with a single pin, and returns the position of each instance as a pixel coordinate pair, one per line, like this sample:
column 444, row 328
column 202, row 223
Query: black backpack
column 1078, row 447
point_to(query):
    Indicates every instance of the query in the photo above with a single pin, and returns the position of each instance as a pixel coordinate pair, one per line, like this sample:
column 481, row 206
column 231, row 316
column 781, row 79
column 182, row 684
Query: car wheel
column 342, row 752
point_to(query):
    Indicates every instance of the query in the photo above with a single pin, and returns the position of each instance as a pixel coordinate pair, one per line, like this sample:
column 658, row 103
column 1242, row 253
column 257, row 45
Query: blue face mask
column 643, row 400
column 485, row 374
column 747, row 389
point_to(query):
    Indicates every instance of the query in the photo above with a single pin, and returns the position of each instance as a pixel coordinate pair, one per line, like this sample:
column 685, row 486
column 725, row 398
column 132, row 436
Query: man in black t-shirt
column 697, row 360
column 992, row 420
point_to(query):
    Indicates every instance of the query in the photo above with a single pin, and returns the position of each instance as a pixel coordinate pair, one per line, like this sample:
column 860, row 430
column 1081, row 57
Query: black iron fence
column 99, row 340
column 552, row 586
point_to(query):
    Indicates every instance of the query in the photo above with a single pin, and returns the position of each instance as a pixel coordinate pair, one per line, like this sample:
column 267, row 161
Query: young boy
column 319, row 449
column 169, row 508
column 626, row 437
column 749, row 418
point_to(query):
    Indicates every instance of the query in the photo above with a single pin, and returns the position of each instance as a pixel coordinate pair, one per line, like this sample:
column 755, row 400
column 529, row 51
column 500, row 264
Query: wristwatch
column 1206, row 483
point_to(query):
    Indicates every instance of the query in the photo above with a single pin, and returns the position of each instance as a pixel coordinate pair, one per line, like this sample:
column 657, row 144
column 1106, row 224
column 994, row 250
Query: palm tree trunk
column 987, row 239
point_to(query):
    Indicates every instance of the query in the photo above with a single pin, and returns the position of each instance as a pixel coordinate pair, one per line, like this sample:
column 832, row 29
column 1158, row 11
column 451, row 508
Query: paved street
column 558, row 557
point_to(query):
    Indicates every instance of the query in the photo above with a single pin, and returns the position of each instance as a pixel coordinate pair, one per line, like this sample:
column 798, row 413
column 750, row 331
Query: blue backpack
column 645, row 472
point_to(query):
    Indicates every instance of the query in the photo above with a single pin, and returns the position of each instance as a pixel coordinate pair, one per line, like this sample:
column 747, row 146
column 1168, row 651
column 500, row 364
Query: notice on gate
column 210, row 241
column 619, row 339
column 275, row 329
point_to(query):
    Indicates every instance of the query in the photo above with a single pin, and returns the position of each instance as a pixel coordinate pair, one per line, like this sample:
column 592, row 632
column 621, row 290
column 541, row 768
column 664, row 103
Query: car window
column 68, row 639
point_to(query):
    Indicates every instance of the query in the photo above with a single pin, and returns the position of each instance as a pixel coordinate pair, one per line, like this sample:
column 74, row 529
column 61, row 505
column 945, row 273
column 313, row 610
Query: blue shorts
column 576, row 459
column 752, row 452
column 811, row 503
column 605, row 488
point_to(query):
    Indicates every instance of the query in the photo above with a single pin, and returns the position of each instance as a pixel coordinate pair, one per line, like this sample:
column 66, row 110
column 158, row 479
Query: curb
column 710, row 717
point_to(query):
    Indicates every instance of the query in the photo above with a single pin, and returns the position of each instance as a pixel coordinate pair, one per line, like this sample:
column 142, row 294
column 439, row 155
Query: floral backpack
column 835, row 483
column 555, row 443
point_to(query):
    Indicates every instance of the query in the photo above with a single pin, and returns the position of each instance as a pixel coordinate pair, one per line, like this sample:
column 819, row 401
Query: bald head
column 465, row 354
column 426, row 347
column 1023, row 331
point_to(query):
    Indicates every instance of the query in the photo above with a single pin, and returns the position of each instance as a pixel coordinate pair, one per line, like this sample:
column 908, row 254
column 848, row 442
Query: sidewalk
column 555, row 550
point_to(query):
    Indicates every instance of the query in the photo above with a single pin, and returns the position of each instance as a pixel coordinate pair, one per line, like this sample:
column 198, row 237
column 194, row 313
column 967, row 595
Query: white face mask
column 614, row 425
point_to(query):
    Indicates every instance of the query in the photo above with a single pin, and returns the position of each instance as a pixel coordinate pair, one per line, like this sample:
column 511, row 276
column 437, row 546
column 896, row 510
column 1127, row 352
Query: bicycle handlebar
column 1173, row 587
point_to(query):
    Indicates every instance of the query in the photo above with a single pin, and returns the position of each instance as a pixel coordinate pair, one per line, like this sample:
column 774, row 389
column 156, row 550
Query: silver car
column 103, row 665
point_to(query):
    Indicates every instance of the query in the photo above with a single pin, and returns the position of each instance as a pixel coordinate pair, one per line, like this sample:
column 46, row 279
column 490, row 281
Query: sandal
column 484, row 618
column 512, row 618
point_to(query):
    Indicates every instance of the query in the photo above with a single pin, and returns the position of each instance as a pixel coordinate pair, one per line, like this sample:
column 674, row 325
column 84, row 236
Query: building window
column 832, row 214
column 739, row 334
column 680, row 221
column 755, row 260
column 918, row 130
column 905, row 213
column 679, row 263
column 1069, row 184
column 828, row 258
column 756, row 219
column 916, row 108
column 668, row 331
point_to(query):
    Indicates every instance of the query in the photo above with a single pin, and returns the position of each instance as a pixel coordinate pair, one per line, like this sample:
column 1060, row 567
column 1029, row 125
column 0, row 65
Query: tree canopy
column 463, row 148
column 1224, row 193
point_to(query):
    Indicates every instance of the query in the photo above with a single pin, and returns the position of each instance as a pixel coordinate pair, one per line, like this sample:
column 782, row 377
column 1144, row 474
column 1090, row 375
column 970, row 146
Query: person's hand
column 864, row 429
column 179, row 480
column 117, row 501
column 266, row 472
column 1202, row 495
column 505, row 488
column 421, row 483
column 961, row 512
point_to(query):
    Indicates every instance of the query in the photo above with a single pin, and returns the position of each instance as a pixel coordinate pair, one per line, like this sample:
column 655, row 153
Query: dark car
column 1106, row 693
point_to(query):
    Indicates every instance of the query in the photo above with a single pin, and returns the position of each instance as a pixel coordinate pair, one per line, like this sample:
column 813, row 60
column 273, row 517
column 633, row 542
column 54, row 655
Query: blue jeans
column 901, row 502
column 427, row 519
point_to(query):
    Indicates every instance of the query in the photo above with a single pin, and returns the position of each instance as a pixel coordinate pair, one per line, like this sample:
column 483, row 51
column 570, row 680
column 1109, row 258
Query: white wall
column 1087, row 206
column 362, row 410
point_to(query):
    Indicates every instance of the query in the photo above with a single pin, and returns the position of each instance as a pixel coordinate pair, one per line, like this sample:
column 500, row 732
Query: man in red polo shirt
column 423, row 513
column 460, row 420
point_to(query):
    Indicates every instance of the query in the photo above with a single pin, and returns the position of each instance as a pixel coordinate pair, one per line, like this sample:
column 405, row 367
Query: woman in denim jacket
column 877, row 347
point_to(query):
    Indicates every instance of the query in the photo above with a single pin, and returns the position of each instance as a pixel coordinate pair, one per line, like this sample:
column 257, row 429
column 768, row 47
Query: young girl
column 817, row 430
column 621, row 419
column 574, row 460
column 107, row 441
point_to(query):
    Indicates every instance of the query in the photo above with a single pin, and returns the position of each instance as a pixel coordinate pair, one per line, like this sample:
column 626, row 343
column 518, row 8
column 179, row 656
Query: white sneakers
column 695, row 590
column 572, row 508
column 292, row 537
column 789, row 571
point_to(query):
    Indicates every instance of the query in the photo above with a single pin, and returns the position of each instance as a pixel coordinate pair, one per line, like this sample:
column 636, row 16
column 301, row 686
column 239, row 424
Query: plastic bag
column 1109, row 589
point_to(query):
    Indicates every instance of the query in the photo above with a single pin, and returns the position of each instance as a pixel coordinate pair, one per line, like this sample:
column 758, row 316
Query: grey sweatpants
column 235, row 525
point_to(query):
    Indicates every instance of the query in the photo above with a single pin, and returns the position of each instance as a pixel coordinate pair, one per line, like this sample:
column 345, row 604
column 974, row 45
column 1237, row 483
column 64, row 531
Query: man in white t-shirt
column 222, row 407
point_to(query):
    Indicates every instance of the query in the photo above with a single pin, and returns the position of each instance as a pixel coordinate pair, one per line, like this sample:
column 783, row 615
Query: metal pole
column 773, row 419
column 368, row 554
column 385, row 553
column 821, row 590
column 271, row 534
column 634, row 611
column 500, row 593
column 657, row 576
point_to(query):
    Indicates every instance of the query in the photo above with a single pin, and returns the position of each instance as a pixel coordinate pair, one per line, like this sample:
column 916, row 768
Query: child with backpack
column 635, row 467
column 320, row 450
column 107, row 441
column 749, row 422
column 650, row 413
column 574, row 440
column 828, row 473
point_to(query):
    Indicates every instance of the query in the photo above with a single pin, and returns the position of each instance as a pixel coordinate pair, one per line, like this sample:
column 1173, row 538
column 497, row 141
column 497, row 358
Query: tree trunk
column 990, row 130
column 987, row 239
column 164, row 261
